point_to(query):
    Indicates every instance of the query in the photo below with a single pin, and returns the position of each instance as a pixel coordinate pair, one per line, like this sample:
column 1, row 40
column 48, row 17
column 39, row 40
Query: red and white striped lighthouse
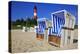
column 35, row 12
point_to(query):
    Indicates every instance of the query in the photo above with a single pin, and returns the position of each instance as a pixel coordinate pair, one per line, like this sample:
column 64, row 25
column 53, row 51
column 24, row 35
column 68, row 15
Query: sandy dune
column 27, row 42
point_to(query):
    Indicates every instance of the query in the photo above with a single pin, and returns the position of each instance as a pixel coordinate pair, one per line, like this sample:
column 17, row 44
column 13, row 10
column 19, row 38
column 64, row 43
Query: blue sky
column 25, row 9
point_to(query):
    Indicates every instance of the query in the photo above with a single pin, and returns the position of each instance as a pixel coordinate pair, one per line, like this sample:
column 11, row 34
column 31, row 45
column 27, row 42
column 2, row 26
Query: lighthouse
column 35, row 12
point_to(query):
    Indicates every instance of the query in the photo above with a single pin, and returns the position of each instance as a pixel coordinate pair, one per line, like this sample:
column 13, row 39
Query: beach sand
column 27, row 42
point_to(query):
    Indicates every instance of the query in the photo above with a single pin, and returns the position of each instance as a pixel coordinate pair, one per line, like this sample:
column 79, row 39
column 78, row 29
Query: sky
column 25, row 9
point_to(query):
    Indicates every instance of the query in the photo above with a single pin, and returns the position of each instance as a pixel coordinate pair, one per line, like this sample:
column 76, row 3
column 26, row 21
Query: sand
column 27, row 42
